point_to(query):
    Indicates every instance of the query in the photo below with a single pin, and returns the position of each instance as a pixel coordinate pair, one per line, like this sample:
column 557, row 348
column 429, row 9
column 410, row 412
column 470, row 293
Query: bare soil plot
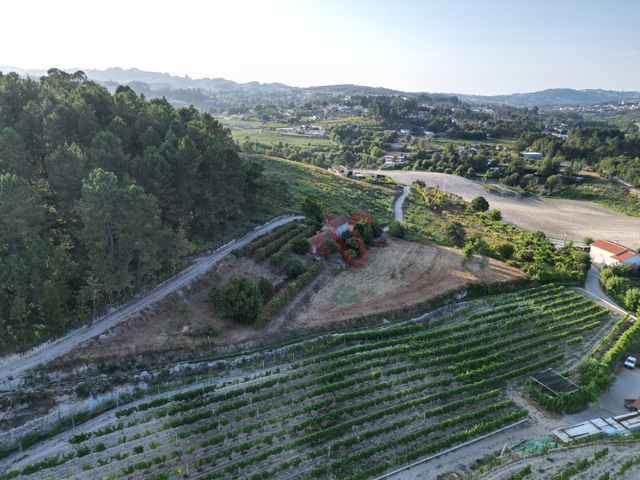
column 182, row 321
column 554, row 217
column 400, row 275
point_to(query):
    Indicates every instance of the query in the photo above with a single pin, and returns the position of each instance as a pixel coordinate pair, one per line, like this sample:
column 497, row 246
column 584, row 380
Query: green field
column 337, row 195
column 274, row 138
column 607, row 193
column 348, row 406
column 505, row 142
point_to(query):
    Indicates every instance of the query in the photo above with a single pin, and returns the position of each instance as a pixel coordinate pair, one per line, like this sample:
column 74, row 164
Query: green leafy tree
column 479, row 204
column 52, row 310
column 301, row 246
column 632, row 299
column 496, row 215
column 553, row 183
column 239, row 299
column 312, row 209
column 294, row 267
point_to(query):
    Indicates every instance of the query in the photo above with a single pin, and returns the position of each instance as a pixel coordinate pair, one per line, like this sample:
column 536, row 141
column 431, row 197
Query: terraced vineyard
column 348, row 405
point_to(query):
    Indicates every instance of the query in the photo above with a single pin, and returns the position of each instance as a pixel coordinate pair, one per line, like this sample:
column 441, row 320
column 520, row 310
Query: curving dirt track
column 16, row 365
column 554, row 217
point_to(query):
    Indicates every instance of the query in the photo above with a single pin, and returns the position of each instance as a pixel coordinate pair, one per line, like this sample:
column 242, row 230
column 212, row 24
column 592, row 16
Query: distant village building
column 534, row 155
column 605, row 252
column 389, row 160
column 339, row 169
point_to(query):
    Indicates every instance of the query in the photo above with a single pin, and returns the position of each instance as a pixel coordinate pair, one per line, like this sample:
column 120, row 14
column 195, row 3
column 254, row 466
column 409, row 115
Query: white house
column 604, row 252
column 534, row 155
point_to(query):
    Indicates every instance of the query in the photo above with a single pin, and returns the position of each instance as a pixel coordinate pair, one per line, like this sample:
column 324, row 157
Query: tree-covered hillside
column 101, row 194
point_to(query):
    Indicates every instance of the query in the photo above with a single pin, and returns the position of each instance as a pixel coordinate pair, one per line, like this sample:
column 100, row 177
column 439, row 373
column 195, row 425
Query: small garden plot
column 348, row 406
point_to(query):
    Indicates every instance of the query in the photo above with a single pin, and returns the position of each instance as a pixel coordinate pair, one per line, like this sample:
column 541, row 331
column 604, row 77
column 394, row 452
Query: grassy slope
column 274, row 137
column 338, row 196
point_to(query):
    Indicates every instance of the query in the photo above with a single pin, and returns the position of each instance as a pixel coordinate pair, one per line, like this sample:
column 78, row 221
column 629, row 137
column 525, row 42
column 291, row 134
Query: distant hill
column 178, row 90
column 553, row 97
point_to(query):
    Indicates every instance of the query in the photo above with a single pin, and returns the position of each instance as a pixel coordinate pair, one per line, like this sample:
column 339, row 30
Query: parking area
column 626, row 385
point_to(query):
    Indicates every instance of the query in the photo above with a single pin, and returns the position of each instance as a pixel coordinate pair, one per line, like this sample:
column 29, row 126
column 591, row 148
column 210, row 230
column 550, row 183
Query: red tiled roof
column 319, row 238
column 636, row 404
column 623, row 255
column 610, row 247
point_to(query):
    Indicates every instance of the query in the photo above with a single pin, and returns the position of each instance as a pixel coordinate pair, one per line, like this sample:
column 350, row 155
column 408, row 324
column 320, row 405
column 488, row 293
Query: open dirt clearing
column 399, row 275
column 554, row 217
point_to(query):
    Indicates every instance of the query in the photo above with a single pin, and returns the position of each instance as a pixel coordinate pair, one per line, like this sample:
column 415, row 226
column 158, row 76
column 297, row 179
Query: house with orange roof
column 605, row 252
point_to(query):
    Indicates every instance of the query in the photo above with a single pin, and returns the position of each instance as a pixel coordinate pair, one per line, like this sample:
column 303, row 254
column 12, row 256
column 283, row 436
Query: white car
column 630, row 362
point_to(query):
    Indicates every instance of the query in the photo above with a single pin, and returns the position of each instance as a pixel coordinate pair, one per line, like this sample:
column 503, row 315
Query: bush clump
column 239, row 299
column 294, row 267
column 397, row 229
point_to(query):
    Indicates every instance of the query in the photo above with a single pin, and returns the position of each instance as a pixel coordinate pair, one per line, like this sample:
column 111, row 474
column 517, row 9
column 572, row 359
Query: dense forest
column 101, row 194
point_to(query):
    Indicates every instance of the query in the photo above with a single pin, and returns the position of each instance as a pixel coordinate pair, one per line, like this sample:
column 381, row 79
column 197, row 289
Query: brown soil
column 184, row 321
column 401, row 275
column 397, row 276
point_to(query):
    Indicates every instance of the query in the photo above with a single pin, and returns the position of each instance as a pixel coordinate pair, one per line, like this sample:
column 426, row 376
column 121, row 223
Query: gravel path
column 554, row 217
column 16, row 365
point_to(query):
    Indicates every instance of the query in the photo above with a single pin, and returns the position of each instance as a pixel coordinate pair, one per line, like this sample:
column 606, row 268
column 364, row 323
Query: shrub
column 397, row 229
column 265, row 286
column 301, row 246
column 496, row 215
column 479, row 204
column 455, row 233
column 294, row 267
column 587, row 240
column 366, row 232
column 332, row 246
column 506, row 250
column 239, row 299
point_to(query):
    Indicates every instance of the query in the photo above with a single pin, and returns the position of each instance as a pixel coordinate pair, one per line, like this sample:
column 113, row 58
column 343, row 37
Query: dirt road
column 554, row 217
column 16, row 365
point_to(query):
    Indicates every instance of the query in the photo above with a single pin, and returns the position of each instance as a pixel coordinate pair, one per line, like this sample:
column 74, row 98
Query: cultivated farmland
column 351, row 405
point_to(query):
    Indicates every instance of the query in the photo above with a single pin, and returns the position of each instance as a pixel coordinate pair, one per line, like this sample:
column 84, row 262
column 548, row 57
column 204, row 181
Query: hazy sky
column 456, row 46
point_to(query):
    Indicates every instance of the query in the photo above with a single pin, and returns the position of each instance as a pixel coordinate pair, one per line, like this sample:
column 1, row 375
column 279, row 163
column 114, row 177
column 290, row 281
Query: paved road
column 554, row 217
column 16, row 365
column 592, row 285
column 397, row 207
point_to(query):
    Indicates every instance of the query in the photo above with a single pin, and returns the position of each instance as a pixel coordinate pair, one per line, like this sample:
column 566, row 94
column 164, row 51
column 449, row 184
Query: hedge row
column 288, row 292
column 618, row 350
column 275, row 245
column 267, row 238
column 278, row 257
